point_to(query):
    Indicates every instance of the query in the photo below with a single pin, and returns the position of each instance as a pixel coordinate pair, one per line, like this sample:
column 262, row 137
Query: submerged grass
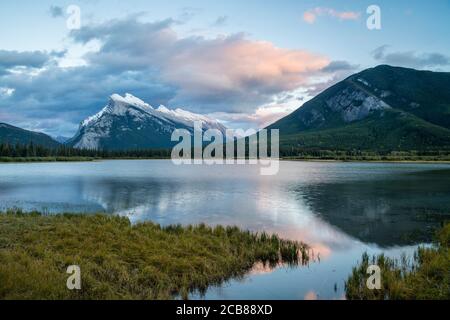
column 426, row 276
column 123, row 261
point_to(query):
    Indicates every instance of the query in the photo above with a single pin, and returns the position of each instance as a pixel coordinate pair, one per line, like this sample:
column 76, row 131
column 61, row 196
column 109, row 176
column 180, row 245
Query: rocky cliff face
column 380, row 108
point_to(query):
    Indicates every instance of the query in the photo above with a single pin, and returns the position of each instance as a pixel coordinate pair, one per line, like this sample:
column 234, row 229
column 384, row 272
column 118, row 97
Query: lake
column 340, row 209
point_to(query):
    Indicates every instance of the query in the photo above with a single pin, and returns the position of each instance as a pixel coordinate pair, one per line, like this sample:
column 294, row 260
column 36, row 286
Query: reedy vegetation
column 119, row 260
column 425, row 276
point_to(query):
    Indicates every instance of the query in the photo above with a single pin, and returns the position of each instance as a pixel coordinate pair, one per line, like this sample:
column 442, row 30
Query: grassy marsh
column 119, row 260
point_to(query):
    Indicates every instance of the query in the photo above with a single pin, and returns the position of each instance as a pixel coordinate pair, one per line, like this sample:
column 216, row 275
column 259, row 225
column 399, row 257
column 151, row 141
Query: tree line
column 34, row 150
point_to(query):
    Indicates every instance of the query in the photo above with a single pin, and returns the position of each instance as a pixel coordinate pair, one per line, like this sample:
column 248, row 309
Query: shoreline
column 118, row 260
column 91, row 159
column 367, row 161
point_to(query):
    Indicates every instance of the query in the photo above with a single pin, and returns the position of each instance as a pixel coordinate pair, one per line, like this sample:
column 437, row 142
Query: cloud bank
column 410, row 58
column 232, row 75
column 226, row 72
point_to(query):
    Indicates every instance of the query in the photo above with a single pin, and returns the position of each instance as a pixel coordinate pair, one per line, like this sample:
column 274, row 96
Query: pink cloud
column 311, row 295
column 262, row 116
column 231, row 64
column 310, row 16
column 347, row 15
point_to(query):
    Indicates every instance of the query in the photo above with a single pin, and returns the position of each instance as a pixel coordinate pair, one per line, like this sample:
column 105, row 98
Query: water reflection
column 339, row 209
column 329, row 205
column 395, row 210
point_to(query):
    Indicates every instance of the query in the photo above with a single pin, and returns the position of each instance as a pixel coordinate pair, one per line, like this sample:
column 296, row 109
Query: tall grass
column 424, row 276
column 123, row 261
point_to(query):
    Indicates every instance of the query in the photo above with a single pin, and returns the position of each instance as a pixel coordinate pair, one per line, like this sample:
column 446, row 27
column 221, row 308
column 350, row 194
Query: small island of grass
column 119, row 260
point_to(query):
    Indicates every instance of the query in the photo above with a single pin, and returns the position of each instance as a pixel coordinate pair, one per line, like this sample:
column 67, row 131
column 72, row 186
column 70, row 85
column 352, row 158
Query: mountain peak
column 129, row 99
column 129, row 122
column 162, row 108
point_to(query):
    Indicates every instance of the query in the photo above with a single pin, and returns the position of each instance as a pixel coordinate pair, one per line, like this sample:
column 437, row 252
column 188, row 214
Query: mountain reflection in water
column 340, row 209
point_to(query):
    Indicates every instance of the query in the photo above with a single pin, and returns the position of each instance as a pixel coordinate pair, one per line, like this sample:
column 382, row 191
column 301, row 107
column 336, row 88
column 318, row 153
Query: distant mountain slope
column 14, row 135
column 61, row 139
column 382, row 108
column 130, row 123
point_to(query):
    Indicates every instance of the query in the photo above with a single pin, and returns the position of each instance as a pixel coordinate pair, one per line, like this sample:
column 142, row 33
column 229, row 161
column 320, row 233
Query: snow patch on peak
column 129, row 99
column 162, row 108
column 182, row 114
column 118, row 105
column 363, row 82
column 95, row 117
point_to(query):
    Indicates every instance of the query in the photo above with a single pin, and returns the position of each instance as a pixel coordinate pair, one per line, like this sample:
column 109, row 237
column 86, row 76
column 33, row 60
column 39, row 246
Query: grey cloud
column 149, row 60
column 340, row 65
column 378, row 53
column 410, row 58
column 33, row 59
column 220, row 21
column 70, row 95
column 320, row 87
column 337, row 71
column 56, row 11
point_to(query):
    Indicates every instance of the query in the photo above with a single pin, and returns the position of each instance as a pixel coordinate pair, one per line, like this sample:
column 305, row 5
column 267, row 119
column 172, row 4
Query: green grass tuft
column 426, row 276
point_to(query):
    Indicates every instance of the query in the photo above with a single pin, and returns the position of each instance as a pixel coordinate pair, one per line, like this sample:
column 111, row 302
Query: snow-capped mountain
column 129, row 123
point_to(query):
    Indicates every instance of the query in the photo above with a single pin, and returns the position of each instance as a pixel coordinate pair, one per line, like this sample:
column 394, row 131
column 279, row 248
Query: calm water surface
column 340, row 209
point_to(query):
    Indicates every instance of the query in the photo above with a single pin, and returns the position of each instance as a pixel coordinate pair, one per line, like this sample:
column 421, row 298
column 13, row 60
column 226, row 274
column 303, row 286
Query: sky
column 246, row 63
